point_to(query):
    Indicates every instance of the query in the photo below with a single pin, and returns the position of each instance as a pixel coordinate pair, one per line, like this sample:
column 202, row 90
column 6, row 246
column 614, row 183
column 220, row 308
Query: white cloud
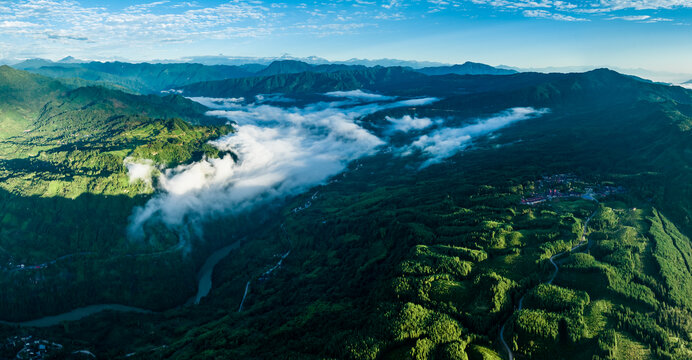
column 281, row 151
column 407, row 123
column 543, row 14
column 560, row 10
column 277, row 98
column 392, row 4
column 359, row 95
column 445, row 142
column 645, row 4
column 219, row 103
column 17, row 24
column 139, row 170
column 144, row 7
column 521, row 4
column 136, row 25
column 655, row 20
column 630, row 17
column 639, row 18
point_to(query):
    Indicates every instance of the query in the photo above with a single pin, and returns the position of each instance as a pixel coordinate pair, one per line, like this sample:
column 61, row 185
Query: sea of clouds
column 447, row 141
column 283, row 151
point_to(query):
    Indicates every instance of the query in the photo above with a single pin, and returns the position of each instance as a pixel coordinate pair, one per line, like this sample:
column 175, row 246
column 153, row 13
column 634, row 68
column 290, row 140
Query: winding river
column 582, row 242
column 204, row 285
column 76, row 314
column 204, row 275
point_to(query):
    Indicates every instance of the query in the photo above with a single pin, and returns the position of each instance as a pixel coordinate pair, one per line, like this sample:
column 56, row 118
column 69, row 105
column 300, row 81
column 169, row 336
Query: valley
column 454, row 219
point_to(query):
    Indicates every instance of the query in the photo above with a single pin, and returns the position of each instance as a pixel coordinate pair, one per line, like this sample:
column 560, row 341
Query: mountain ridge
column 467, row 68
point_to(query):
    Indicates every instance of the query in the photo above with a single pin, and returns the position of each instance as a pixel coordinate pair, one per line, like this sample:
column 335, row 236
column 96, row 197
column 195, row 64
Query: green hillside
column 64, row 187
column 389, row 260
column 429, row 264
column 373, row 79
column 141, row 78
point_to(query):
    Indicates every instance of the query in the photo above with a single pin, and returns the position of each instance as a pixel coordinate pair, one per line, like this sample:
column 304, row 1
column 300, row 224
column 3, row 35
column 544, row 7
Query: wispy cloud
column 640, row 18
column 645, row 4
column 516, row 4
column 445, row 142
column 359, row 95
column 630, row 17
column 144, row 7
column 62, row 19
column 543, row 14
column 562, row 10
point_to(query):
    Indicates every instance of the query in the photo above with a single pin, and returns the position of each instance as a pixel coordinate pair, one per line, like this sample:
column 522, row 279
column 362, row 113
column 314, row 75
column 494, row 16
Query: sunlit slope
column 23, row 95
column 79, row 137
column 65, row 189
column 428, row 264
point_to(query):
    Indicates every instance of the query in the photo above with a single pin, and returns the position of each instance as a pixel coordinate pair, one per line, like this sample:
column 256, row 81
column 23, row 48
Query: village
column 30, row 348
column 564, row 186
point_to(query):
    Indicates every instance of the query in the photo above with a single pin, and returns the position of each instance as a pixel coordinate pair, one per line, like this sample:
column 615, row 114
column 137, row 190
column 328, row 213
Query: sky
column 630, row 34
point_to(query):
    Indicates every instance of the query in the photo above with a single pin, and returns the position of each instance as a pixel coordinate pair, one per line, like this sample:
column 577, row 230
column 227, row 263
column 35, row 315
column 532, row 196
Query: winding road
column 583, row 241
column 177, row 247
column 45, row 264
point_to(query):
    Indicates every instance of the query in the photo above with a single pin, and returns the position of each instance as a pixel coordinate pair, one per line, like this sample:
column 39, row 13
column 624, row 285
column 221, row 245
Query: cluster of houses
column 560, row 186
column 28, row 348
column 549, row 195
column 557, row 179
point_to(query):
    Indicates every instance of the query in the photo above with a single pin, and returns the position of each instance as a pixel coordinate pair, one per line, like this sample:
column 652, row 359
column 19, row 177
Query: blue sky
column 651, row 34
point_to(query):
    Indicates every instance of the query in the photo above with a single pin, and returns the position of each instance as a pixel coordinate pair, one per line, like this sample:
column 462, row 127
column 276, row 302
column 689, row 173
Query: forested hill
column 568, row 230
column 44, row 121
column 601, row 88
column 400, row 262
column 547, row 89
column 141, row 77
column 373, row 79
column 65, row 191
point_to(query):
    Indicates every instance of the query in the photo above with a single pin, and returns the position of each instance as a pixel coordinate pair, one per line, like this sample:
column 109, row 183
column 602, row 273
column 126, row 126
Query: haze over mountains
column 256, row 64
column 153, row 78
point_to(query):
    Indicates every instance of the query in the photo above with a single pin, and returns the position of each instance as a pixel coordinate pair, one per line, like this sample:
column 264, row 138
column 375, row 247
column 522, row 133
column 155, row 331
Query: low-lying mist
column 445, row 142
column 280, row 152
column 283, row 151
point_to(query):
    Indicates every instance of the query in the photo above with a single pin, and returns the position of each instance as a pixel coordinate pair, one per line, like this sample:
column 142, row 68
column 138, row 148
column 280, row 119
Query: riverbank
column 204, row 286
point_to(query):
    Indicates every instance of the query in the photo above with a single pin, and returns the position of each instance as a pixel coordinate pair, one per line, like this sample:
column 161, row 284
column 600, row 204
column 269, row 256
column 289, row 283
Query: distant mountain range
column 154, row 78
column 314, row 60
column 256, row 64
column 467, row 68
